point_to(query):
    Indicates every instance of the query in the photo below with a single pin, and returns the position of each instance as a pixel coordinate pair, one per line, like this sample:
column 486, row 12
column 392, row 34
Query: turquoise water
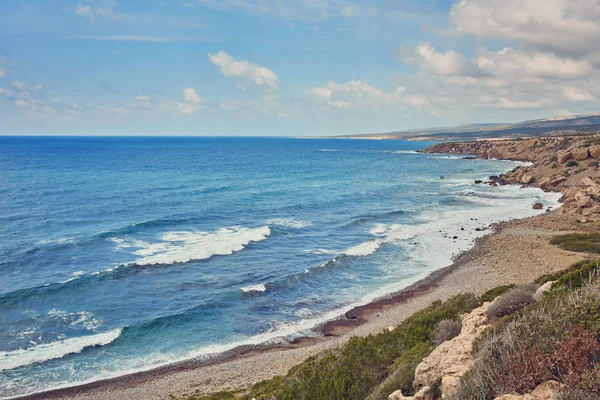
column 123, row 254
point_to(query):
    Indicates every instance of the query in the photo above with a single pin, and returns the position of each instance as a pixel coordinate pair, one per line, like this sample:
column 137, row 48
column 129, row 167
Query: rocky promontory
column 564, row 164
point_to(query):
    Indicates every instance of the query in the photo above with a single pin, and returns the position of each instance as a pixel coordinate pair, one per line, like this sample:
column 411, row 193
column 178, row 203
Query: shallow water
column 122, row 254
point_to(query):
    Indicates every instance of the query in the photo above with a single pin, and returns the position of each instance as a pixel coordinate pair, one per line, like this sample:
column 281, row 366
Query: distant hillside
column 571, row 125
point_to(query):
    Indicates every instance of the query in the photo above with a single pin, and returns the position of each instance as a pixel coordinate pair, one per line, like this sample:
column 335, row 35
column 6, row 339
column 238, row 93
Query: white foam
column 289, row 222
column 255, row 288
column 49, row 351
column 363, row 249
column 184, row 246
column 322, row 251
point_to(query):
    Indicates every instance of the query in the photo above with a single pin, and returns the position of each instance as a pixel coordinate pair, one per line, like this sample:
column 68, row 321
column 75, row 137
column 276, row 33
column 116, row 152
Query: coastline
column 483, row 267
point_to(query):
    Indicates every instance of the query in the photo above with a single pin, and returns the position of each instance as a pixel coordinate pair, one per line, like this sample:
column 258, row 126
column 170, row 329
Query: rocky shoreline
column 514, row 252
column 561, row 164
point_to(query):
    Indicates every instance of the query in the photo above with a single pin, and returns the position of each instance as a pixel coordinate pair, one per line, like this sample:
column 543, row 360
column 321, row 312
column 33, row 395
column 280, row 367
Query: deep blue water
column 120, row 254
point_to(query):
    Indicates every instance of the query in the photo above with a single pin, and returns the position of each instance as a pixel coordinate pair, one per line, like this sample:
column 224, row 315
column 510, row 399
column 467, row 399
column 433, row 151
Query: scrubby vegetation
column 446, row 330
column 529, row 343
column 582, row 242
column 512, row 301
column 366, row 367
column 554, row 339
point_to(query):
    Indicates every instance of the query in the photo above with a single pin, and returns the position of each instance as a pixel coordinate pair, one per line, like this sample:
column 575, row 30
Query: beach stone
column 545, row 182
column 587, row 181
column 562, row 156
column 580, row 153
column 450, row 360
column 539, row 293
column 595, row 151
column 538, row 206
column 527, row 179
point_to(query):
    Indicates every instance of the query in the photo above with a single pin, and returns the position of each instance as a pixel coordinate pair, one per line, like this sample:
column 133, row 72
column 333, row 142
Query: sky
column 291, row 67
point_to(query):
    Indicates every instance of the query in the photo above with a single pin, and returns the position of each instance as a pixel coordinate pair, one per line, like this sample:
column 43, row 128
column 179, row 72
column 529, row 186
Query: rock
column 545, row 182
column 562, row 156
column 478, row 181
column 538, row 206
column 423, row 394
column 587, row 181
column 546, row 391
column 595, row 151
column 527, row 179
column 558, row 180
column 450, row 360
column 584, row 201
column 494, row 153
column 390, row 328
column 539, row 293
column 580, row 153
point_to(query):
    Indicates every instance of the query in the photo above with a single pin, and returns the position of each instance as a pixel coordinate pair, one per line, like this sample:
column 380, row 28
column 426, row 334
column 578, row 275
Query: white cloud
column 91, row 13
column 19, row 84
column 449, row 63
column 246, row 72
column 185, row 108
column 190, row 96
column 349, row 11
column 6, row 92
column 2, row 73
column 84, row 11
column 22, row 103
column 577, row 94
column 142, row 98
column 563, row 26
column 511, row 63
column 56, row 99
column 37, row 87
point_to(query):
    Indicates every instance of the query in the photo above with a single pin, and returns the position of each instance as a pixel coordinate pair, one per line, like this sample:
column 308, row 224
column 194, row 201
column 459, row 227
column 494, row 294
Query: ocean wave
column 289, row 223
column 184, row 246
column 363, row 249
column 49, row 351
column 261, row 287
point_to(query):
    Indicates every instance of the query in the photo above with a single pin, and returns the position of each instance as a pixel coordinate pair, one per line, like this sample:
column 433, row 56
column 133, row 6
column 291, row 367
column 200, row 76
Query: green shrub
column 581, row 242
column 512, row 301
column 572, row 164
column 447, row 329
column 495, row 292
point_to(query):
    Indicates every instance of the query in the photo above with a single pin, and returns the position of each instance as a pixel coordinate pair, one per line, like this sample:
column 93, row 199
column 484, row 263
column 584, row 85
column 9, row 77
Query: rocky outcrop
column 567, row 164
column 424, row 394
column 546, row 391
column 450, row 360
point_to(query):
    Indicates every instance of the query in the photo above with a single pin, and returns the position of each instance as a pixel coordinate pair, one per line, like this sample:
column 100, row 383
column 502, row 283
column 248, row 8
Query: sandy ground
column 518, row 252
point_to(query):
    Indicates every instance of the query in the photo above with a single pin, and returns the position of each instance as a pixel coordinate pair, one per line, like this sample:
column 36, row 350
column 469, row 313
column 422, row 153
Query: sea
column 125, row 254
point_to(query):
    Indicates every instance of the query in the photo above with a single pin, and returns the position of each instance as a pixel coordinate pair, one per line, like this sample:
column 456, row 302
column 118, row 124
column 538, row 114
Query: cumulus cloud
column 246, row 72
column 576, row 94
column 448, row 63
column 562, row 26
column 19, row 84
column 185, row 108
column 92, row 13
column 142, row 98
column 190, row 96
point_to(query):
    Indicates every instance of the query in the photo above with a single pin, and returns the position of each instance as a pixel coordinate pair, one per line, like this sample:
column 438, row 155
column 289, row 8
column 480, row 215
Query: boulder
column 585, row 201
column 595, row 151
column 450, row 360
column 538, row 206
column 527, row 179
column 558, row 180
column 562, row 156
column 580, row 153
column 539, row 293
column 587, row 181
column 546, row 391
column 423, row 394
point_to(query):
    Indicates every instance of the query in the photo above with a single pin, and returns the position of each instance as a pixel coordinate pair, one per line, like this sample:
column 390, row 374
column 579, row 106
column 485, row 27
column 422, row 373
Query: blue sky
column 303, row 67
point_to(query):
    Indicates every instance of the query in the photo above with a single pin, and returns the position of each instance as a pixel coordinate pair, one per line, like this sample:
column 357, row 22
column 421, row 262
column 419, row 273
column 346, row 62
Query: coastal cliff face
column 564, row 164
